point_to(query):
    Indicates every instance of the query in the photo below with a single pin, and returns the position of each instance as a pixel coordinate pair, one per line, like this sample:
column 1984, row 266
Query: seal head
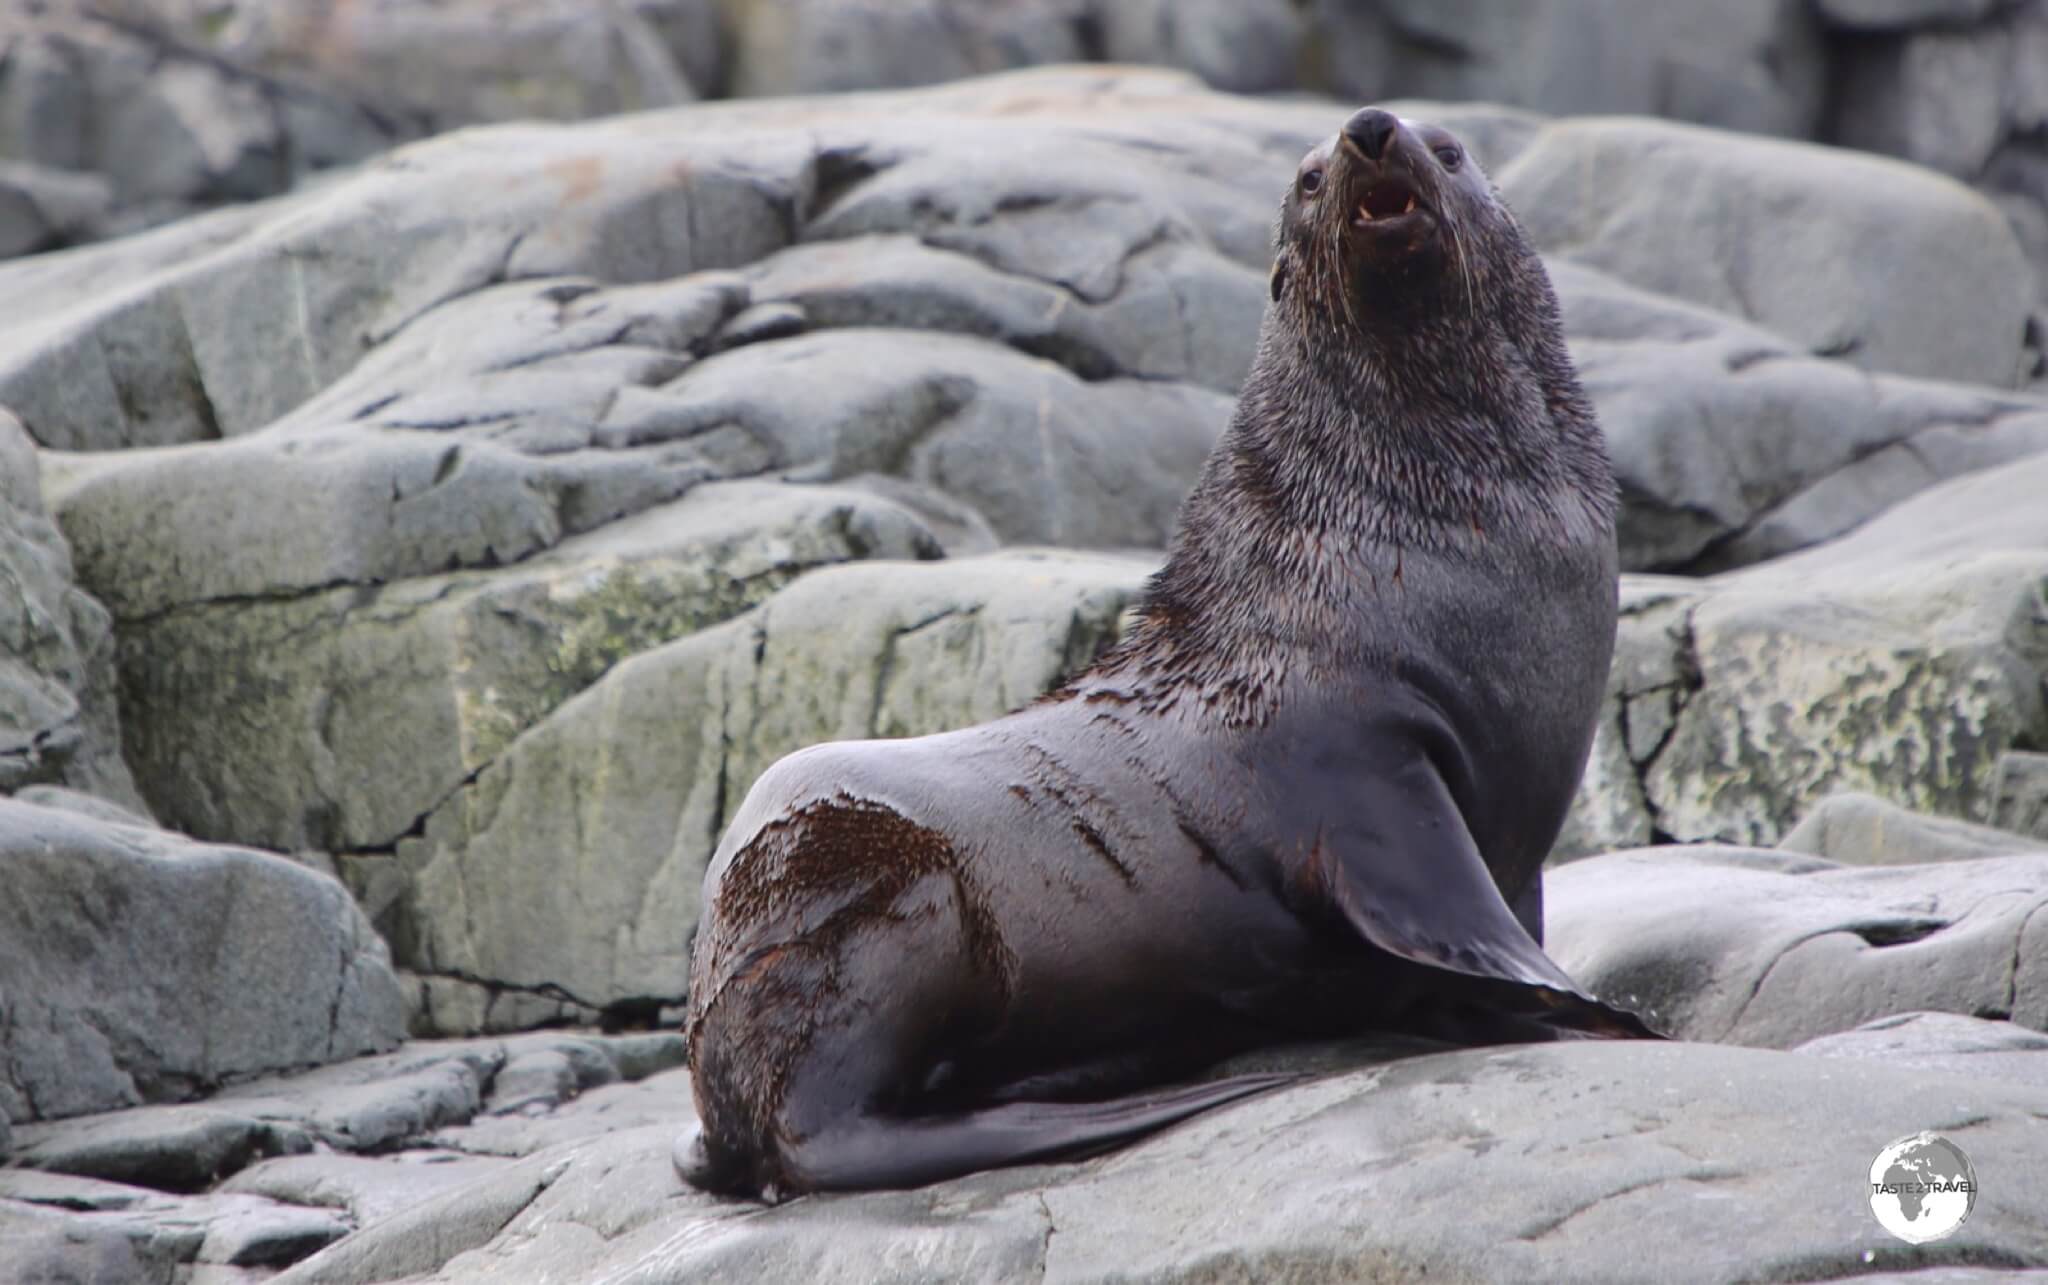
column 1378, row 215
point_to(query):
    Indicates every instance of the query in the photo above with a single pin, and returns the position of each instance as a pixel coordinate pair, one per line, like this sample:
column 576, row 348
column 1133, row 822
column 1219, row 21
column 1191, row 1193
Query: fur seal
column 1308, row 795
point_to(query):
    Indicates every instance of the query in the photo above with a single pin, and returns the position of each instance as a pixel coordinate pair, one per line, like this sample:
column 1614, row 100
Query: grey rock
column 87, row 1195
column 59, row 723
column 424, row 1237
column 137, row 966
column 1648, row 684
column 1579, row 1161
column 53, row 1247
column 1863, row 830
column 190, row 133
column 1183, row 313
column 1753, row 946
column 170, row 1148
column 269, row 1237
column 1984, row 512
column 363, row 1188
column 539, row 1079
column 432, row 677
column 177, row 106
column 228, row 342
column 45, row 101
column 1938, row 96
column 275, row 1139
column 824, row 46
column 377, row 1104
column 1619, row 194
column 760, row 322
column 1946, row 1042
column 660, row 1098
column 85, row 805
column 448, row 65
column 386, row 1113
column 2019, row 799
column 625, row 788
column 162, row 530
column 1244, row 46
column 54, row 1227
column 1758, row 65
column 436, row 1007
column 42, row 208
column 1879, row 15
column 959, row 528
column 1022, row 441
column 1911, row 648
column 1731, row 447
column 1907, row 694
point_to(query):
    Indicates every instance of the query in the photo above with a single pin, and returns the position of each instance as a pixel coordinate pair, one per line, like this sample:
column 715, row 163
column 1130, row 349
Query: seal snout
column 1370, row 129
column 1383, row 188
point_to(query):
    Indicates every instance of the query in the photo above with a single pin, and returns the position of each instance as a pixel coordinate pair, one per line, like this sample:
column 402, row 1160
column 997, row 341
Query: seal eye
column 1449, row 157
column 1311, row 182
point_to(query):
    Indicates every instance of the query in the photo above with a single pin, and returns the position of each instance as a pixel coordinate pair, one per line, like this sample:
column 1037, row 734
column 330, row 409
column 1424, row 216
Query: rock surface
column 1764, row 219
column 59, row 724
column 124, row 113
column 1753, row 946
column 275, row 1168
column 1864, row 830
column 1583, row 1161
column 1904, row 659
column 138, row 967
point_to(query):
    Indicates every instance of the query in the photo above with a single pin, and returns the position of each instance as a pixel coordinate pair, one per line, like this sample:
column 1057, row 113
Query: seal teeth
column 1410, row 207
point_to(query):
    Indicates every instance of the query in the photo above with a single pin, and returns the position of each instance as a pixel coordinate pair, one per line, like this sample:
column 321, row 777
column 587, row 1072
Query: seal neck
column 1447, row 435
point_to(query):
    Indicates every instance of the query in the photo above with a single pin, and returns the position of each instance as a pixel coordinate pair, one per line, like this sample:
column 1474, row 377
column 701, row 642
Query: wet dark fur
column 1289, row 805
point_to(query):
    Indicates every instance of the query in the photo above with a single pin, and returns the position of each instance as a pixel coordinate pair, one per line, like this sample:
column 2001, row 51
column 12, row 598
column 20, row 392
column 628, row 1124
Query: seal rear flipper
column 1407, row 876
column 875, row 1151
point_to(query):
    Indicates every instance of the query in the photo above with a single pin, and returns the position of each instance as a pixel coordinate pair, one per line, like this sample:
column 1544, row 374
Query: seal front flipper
column 869, row 1151
column 1402, row 867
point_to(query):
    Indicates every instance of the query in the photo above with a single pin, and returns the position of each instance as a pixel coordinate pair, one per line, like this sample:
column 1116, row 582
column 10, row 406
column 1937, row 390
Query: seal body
column 1307, row 796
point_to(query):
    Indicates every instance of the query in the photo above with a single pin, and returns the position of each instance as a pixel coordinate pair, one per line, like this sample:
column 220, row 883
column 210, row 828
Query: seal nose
column 1370, row 128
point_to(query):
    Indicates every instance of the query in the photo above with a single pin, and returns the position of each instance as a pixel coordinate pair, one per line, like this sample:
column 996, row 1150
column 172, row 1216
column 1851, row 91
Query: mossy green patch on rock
column 337, row 720
column 1898, row 688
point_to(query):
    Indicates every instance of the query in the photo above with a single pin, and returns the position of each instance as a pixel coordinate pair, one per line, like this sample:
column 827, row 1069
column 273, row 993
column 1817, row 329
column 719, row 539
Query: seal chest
column 1307, row 796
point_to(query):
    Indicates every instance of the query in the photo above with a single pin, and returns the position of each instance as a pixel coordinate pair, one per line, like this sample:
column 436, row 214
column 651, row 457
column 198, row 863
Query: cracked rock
column 137, row 966
column 172, row 1148
column 1771, row 948
column 1904, row 660
column 624, row 789
column 432, row 677
column 1615, row 194
column 59, row 725
column 1569, row 1160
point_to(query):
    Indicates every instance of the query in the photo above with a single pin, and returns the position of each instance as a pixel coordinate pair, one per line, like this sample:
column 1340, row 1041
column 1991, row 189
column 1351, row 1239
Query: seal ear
column 1278, row 281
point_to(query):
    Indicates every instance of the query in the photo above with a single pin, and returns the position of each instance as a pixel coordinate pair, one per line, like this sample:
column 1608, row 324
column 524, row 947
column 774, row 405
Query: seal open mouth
column 1386, row 198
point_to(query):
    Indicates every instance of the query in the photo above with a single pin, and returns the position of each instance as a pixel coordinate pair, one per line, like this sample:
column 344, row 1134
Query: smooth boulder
column 136, row 966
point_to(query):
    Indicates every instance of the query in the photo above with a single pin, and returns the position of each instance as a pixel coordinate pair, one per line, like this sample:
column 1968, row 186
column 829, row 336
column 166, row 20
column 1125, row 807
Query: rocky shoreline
column 408, row 573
